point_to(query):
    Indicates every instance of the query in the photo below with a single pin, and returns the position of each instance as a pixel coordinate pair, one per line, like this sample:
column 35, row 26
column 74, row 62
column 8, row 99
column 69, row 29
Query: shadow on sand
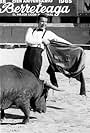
column 13, row 116
column 53, row 107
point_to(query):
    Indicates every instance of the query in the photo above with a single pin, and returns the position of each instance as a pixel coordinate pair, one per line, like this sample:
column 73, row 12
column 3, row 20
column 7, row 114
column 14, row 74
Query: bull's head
column 39, row 104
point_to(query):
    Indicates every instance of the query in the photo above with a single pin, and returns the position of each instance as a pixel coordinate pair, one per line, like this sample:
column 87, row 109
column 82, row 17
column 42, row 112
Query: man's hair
column 42, row 15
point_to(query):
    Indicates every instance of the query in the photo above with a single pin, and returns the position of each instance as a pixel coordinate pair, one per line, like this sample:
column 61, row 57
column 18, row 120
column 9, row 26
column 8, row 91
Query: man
column 36, row 39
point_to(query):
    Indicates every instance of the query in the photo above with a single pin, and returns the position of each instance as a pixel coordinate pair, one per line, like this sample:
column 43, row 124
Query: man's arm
column 56, row 38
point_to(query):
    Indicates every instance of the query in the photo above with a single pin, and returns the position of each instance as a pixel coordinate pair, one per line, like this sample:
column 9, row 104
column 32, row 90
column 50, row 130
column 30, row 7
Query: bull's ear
column 41, row 81
column 46, row 86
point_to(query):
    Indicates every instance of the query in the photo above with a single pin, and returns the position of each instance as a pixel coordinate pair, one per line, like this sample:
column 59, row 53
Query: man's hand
column 45, row 41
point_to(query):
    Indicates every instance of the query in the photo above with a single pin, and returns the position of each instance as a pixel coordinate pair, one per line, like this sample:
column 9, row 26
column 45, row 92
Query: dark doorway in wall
column 8, row 19
column 68, row 19
column 85, row 19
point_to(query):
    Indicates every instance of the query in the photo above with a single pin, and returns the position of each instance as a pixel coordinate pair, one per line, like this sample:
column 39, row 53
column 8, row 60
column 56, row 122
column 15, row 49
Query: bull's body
column 21, row 88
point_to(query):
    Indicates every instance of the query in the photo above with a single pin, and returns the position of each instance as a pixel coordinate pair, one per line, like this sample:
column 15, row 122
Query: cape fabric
column 65, row 58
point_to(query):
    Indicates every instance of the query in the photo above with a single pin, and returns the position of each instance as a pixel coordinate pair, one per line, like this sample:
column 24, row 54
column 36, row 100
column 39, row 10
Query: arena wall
column 15, row 33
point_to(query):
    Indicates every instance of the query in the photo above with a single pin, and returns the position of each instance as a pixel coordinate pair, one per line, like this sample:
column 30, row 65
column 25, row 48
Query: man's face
column 42, row 24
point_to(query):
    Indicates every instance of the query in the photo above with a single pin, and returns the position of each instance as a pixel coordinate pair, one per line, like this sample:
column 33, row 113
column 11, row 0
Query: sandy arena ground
column 67, row 111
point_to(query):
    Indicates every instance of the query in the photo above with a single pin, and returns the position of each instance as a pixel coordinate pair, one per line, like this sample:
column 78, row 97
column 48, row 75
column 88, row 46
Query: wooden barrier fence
column 23, row 45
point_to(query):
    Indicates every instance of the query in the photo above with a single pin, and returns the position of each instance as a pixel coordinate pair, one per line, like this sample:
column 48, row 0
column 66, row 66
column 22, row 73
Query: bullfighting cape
column 65, row 58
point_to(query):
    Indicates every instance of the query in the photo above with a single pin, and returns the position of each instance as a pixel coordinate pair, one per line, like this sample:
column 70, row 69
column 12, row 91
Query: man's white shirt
column 34, row 38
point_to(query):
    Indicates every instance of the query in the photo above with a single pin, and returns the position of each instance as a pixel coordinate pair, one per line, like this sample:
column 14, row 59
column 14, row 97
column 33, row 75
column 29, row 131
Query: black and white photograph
column 45, row 66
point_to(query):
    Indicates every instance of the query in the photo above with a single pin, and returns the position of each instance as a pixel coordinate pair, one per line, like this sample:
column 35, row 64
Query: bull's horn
column 51, row 86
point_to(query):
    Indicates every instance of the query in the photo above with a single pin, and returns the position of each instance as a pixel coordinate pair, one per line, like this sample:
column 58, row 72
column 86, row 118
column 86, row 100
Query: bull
column 21, row 88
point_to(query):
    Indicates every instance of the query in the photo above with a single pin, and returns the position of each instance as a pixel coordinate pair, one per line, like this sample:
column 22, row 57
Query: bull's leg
column 26, row 111
column 24, row 105
column 6, row 103
column 80, row 78
column 2, row 114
